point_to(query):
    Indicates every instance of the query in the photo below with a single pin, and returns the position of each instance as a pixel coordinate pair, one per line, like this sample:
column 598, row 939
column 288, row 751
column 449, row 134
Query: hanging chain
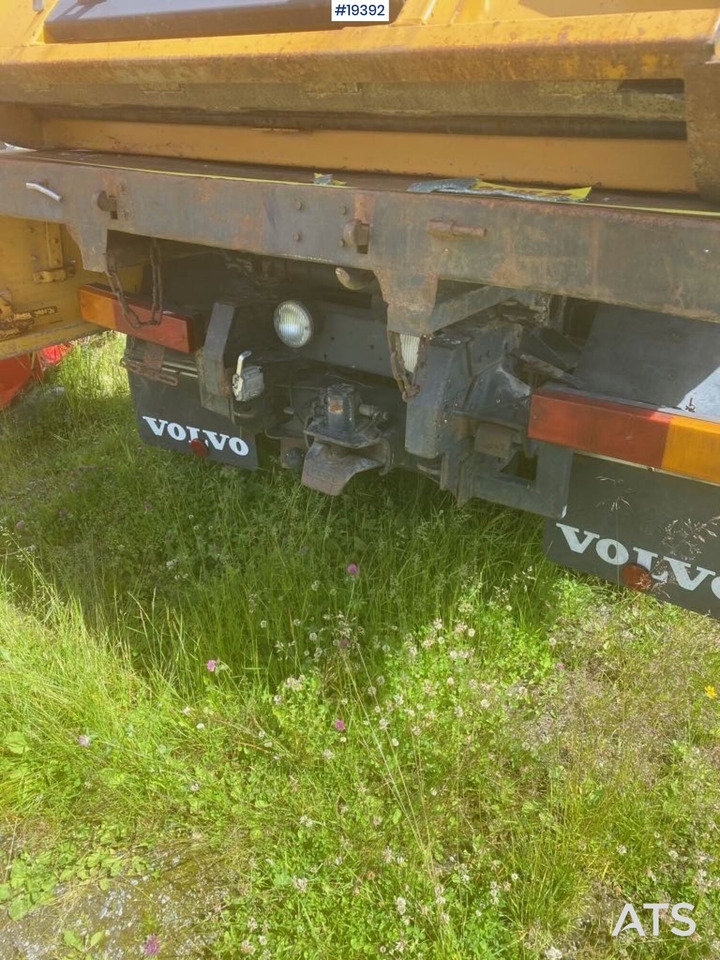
column 157, row 283
column 116, row 286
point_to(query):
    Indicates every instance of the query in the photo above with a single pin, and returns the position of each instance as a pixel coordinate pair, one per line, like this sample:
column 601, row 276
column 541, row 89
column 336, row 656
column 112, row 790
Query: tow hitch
column 346, row 439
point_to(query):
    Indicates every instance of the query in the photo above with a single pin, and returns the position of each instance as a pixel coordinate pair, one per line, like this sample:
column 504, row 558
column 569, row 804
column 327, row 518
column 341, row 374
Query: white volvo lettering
column 218, row 441
column 573, row 540
column 181, row 432
column 616, row 554
column 681, row 572
column 612, row 551
column 157, row 426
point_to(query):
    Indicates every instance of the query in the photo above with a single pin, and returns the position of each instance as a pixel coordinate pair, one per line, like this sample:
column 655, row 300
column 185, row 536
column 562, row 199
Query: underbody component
column 347, row 438
column 248, row 381
column 213, row 376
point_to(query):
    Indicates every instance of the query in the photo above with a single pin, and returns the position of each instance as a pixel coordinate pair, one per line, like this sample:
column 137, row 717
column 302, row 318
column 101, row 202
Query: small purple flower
column 339, row 726
column 83, row 740
column 212, row 665
column 353, row 569
column 152, row 945
column 559, row 666
column 343, row 642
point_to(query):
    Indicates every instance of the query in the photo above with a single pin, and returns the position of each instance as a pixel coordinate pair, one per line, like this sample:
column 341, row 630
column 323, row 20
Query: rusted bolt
column 357, row 234
column 107, row 203
column 299, row 205
column 297, row 237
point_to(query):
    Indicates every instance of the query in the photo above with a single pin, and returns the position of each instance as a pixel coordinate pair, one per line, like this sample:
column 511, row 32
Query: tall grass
column 457, row 752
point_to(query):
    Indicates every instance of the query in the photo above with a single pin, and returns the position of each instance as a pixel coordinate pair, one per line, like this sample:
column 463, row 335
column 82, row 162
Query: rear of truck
column 479, row 241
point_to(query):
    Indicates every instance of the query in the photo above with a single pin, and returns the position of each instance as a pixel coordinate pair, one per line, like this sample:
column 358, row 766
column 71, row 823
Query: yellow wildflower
column 710, row 691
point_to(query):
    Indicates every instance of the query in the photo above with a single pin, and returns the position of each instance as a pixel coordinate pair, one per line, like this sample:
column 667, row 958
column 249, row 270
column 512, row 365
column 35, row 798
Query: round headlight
column 293, row 324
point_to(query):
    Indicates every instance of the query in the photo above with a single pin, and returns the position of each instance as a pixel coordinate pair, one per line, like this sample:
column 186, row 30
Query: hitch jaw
column 329, row 468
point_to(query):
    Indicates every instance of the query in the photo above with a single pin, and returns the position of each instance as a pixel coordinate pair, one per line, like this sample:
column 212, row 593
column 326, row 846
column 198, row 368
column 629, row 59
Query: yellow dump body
column 623, row 94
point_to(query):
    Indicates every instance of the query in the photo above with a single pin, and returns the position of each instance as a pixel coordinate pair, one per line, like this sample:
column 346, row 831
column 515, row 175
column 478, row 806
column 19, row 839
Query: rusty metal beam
column 660, row 166
column 638, row 256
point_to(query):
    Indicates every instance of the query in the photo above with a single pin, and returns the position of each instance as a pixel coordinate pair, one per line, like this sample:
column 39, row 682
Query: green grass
column 523, row 750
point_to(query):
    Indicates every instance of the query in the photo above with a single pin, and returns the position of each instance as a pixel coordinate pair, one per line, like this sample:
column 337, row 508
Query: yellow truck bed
column 621, row 94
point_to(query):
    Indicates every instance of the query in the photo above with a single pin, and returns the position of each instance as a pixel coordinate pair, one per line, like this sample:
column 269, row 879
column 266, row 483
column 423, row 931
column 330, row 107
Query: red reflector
column 636, row 577
column 199, row 448
column 618, row 430
column 100, row 305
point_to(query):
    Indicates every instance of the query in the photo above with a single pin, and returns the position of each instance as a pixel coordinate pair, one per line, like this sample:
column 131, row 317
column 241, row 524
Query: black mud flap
column 636, row 527
column 172, row 417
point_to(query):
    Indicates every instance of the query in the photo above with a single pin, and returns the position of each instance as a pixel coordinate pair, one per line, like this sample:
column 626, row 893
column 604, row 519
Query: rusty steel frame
column 652, row 259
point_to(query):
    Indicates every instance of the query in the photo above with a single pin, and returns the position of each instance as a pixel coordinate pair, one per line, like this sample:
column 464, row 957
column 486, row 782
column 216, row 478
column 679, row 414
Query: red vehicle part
column 17, row 372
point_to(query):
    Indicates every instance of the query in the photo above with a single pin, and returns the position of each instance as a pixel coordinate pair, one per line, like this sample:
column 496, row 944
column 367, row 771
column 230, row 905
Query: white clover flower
column 401, row 905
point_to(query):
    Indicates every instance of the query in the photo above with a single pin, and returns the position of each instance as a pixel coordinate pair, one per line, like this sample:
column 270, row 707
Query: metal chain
column 156, row 271
column 116, row 286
